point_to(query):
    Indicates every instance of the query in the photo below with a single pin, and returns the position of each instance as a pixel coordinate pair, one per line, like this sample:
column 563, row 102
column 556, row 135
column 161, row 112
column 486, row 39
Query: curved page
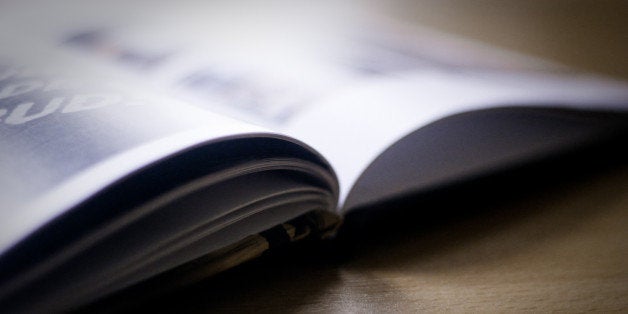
column 84, row 146
column 350, row 86
column 366, row 120
column 177, row 226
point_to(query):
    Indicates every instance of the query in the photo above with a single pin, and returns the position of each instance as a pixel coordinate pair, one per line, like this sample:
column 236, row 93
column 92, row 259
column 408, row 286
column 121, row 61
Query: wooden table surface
column 555, row 242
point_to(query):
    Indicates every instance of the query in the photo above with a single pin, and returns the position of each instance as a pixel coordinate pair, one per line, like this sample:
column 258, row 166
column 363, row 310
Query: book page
column 72, row 143
column 262, row 63
column 73, row 129
column 344, row 78
column 353, row 129
column 90, row 153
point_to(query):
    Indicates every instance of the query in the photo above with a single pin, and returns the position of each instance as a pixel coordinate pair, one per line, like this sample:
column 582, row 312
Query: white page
column 108, row 124
column 352, row 129
column 265, row 63
column 341, row 77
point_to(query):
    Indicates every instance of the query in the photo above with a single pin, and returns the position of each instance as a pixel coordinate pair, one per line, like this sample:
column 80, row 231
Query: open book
column 142, row 140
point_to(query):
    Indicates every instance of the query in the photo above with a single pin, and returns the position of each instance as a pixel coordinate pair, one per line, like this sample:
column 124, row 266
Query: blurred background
column 591, row 35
